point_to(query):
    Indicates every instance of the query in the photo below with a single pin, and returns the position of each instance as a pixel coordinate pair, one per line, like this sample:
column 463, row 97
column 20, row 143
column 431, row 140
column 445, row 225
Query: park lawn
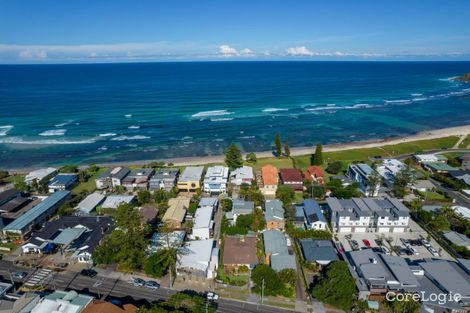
column 465, row 143
column 277, row 162
column 13, row 179
column 421, row 145
column 299, row 197
column 89, row 185
column 434, row 196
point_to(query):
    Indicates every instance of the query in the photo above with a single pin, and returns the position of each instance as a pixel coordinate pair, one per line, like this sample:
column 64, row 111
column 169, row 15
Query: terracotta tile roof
column 315, row 171
column 291, row 175
column 269, row 174
column 98, row 306
column 240, row 250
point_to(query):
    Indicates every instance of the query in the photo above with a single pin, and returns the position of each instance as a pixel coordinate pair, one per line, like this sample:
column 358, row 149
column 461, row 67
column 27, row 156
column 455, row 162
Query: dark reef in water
column 464, row 78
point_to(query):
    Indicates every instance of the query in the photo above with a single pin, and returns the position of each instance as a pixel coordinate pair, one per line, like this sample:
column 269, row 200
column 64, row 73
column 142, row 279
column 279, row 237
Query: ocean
column 86, row 113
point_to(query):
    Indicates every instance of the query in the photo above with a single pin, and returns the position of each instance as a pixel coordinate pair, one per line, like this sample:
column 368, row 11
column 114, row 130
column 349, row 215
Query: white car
column 433, row 251
column 212, row 296
column 413, row 250
column 425, row 243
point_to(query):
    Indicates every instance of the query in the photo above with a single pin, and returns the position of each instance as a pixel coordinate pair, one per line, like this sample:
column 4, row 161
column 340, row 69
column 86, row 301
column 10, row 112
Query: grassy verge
column 465, row 143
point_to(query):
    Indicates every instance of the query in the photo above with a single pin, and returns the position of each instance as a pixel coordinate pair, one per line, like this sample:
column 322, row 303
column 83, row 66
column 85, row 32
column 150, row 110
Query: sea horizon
column 110, row 112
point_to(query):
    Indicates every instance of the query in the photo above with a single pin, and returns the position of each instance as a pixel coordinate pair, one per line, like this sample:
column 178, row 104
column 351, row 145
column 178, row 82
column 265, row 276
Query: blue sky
column 107, row 31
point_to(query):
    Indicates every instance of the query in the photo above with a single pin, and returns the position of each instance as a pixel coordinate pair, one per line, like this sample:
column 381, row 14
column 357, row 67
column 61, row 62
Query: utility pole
column 12, row 282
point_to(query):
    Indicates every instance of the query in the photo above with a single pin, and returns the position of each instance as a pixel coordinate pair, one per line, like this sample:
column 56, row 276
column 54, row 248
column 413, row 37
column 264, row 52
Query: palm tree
column 171, row 254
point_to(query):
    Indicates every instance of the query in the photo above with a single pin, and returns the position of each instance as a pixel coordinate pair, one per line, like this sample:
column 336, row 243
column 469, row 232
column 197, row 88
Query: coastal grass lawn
column 89, row 185
column 465, row 143
column 277, row 162
column 13, row 179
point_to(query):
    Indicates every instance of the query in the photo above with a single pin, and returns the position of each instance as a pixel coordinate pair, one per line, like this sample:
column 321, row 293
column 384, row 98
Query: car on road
column 212, row 296
column 433, row 251
column 354, row 244
column 19, row 275
column 366, row 243
column 138, row 282
column 152, row 284
column 89, row 272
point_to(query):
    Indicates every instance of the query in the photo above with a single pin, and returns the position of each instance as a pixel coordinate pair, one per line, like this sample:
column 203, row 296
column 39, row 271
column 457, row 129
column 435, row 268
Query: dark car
column 379, row 242
column 19, row 275
column 354, row 244
column 89, row 272
column 152, row 284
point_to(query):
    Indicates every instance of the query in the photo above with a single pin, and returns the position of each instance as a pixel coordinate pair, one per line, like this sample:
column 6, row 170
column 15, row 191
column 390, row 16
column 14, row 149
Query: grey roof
column 457, row 238
column 318, row 250
column 313, row 211
column 166, row 174
column 242, row 206
column 357, row 207
column 274, row 242
column 370, row 265
column 274, row 210
column 192, row 173
column 141, row 172
column 35, row 212
column 400, row 269
column 117, row 172
column 448, row 276
column 68, row 235
column 465, row 264
column 91, row 202
column 283, row 261
column 211, row 202
column 63, row 179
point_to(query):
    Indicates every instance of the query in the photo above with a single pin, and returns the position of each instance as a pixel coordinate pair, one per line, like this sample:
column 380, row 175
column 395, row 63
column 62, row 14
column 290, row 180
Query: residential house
column 345, row 181
column 62, row 182
column 389, row 169
column 165, row 179
column 313, row 215
column 112, row 178
column 462, row 211
column 148, row 214
column 438, row 167
column 457, row 239
column 274, row 215
column 176, row 212
column 360, row 174
column 198, row 258
column 12, row 205
column 427, row 158
column 315, row 174
column 40, row 175
column 465, row 160
column 203, row 226
column 99, row 306
column 37, row 215
column 292, row 177
column 240, row 251
column 242, row 175
column 24, row 304
column 138, row 179
column 216, row 179
column 463, row 176
column 161, row 241
column 63, row 301
column 276, row 251
column 299, row 218
column 423, row 185
column 76, row 235
column 318, row 251
column 209, row 202
column 240, row 207
column 113, row 201
column 89, row 204
column 269, row 180
column 191, row 178
column 368, row 215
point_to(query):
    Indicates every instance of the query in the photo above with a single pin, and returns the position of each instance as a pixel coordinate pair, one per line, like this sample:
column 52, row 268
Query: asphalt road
column 115, row 288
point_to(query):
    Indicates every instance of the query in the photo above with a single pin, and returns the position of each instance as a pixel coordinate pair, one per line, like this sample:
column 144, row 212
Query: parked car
column 385, row 250
column 425, row 243
column 379, row 242
column 354, row 244
column 339, row 247
column 433, row 251
column 406, row 242
column 89, row 272
column 366, row 243
column 19, row 275
column 152, row 284
column 412, row 250
column 212, row 296
column 138, row 282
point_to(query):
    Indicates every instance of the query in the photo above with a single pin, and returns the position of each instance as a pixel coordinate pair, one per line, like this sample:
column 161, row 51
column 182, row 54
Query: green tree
column 272, row 283
column 286, row 149
column 82, row 176
column 288, row 276
column 233, row 157
column 3, row 174
column 374, row 180
column 318, row 158
column 143, row 197
column 286, row 194
column 159, row 263
column 259, row 222
column 251, row 193
column 251, row 157
column 408, row 306
column 68, row 169
column 347, row 192
column 278, row 145
column 402, row 179
column 337, row 287
column 20, row 185
column 440, row 223
column 334, row 167
column 226, row 204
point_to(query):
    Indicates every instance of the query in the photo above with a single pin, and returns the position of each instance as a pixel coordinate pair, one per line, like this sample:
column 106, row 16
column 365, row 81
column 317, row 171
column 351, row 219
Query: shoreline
column 297, row 151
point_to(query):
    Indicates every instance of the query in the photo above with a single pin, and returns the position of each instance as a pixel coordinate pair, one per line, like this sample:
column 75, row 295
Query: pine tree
column 277, row 143
column 233, row 157
column 286, row 149
column 318, row 159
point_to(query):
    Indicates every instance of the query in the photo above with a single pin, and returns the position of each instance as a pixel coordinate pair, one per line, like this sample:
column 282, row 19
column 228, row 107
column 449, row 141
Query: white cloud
column 32, row 55
column 247, row 52
column 227, row 51
column 300, row 51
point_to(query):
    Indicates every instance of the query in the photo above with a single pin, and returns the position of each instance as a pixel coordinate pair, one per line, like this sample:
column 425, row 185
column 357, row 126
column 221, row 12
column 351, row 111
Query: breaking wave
column 53, row 132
